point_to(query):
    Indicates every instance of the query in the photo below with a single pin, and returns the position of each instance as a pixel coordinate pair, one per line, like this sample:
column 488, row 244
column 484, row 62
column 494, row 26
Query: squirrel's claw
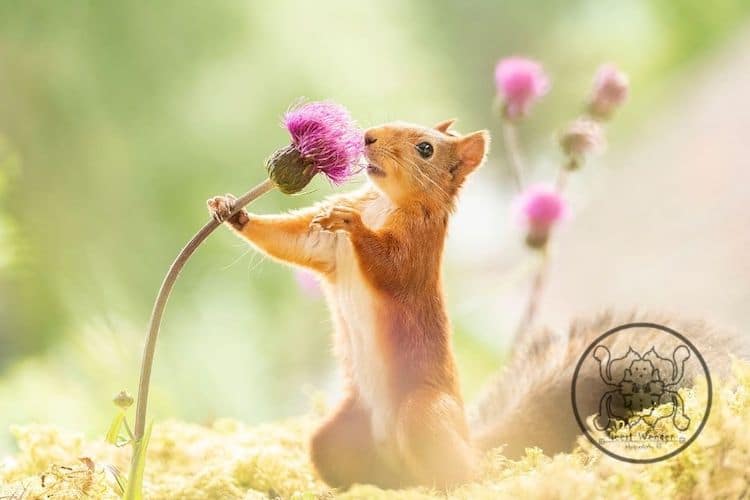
column 339, row 218
column 221, row 207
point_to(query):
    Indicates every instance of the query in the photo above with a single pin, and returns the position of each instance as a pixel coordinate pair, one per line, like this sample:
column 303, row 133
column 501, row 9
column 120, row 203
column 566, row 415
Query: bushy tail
column 528, row 403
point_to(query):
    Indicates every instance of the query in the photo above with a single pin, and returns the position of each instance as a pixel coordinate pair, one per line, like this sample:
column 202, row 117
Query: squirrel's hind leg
column 344, row 452
column 433, row 441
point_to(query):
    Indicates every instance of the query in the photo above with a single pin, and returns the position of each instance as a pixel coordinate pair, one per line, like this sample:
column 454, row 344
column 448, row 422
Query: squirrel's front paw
column 341, row 218
column 221, row 208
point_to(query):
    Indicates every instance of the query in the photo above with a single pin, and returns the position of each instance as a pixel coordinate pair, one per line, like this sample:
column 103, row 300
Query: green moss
column 229, row 460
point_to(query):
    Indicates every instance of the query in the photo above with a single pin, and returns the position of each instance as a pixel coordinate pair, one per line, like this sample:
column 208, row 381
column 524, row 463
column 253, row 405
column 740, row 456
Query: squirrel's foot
column 221, row 208
column 338, row 218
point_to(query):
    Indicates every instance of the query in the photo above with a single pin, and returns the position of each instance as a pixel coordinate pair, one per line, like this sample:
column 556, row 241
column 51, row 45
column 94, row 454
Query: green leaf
column 114, row 428
column 134, row 488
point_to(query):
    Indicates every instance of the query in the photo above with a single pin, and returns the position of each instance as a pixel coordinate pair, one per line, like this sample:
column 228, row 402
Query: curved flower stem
column 163, row 296
column 512, row 147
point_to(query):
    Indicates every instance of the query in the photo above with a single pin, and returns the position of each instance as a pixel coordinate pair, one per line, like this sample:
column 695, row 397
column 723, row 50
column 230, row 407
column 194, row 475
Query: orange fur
column 380, row 251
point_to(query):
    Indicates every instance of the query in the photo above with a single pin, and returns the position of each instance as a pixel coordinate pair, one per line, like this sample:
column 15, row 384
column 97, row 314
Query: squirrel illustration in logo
column 639, row 388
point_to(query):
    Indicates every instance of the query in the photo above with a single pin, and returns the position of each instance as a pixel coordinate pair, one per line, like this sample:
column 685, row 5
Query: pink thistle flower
column 308, row 283
column 325, row 134
column 611, row 87
column 582, row 137
column 538, row 210
column 520, row 82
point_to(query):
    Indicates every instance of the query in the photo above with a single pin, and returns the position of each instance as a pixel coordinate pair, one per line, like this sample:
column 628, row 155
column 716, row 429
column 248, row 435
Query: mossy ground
column 229, row 460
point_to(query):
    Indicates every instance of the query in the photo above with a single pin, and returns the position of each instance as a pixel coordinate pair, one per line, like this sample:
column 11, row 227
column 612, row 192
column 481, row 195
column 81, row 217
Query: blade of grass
column 117, row 476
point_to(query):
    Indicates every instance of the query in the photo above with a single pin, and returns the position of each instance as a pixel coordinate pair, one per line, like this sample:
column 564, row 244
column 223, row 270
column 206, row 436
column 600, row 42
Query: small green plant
column 114, row 436
column 131, row 488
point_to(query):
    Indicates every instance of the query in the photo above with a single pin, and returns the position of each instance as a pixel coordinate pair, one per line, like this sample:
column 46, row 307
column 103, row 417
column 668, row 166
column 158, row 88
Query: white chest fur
column 356, row 306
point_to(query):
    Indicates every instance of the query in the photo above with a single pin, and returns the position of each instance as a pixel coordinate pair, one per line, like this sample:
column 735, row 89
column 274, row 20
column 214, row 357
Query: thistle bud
column 610, row 91
column 579, row 139
column 325, row 140
column 123, row 400
column 289, row 170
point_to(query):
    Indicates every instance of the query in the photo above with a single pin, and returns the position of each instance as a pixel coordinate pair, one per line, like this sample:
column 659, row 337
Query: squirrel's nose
column 370, row 139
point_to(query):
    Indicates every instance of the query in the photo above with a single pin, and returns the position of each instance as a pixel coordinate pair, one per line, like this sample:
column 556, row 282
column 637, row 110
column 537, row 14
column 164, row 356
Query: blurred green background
column 118, row 120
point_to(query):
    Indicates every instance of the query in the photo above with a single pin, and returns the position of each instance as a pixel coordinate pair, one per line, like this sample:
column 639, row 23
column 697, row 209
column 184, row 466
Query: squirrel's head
column 408, row 162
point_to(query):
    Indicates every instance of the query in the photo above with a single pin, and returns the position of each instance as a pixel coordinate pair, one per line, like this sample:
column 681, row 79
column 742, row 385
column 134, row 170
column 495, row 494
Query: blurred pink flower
column 538, row 209
column 519, row 82
column 610, row 91
column 308, row 283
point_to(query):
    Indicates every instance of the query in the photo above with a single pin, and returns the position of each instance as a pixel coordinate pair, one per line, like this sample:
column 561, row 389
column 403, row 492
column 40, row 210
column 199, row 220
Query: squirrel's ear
column 471, row 150
column 445, row 125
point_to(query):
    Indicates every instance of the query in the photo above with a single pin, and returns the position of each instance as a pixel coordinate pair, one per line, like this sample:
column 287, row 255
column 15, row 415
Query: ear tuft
column 445, row 125
column 472, row 148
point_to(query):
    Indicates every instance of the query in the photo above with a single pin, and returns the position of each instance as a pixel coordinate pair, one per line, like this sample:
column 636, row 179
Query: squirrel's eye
column 425, row 149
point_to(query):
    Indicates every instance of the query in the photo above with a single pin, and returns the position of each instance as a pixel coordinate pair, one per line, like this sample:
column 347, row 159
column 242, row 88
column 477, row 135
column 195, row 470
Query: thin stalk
column 540, row 278
column 161, row 303
column 513, row 148
column 127, row 428
column 535, row 296
column 562, row 179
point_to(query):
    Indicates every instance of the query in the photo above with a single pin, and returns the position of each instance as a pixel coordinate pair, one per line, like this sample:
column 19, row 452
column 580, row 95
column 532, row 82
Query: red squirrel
column 378, row 250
